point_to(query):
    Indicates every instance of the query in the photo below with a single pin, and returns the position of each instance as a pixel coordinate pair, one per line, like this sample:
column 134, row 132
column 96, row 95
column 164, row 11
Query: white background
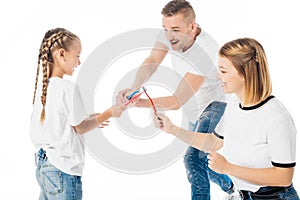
column 23, row 24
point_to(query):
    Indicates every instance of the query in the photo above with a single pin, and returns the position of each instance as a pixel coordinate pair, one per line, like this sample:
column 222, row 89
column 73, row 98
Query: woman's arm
column 273, row 176
column 203, row 141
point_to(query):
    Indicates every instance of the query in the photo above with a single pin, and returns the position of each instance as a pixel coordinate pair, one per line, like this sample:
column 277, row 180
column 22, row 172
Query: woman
column 256, row 132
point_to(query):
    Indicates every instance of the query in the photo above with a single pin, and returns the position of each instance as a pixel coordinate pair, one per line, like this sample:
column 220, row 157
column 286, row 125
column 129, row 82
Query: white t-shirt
column 260, row 136
column 64, row 109
column 199, row 59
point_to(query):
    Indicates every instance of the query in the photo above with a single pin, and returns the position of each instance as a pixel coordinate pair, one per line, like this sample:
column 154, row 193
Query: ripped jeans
column 196, row 163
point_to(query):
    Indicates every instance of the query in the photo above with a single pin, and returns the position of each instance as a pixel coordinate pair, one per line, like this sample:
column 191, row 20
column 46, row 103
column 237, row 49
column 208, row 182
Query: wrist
column 229, row 168
column 175, row 129
column 144, row 103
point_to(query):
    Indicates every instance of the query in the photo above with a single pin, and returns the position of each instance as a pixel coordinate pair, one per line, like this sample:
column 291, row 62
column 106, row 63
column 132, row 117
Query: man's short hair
column 176, row 7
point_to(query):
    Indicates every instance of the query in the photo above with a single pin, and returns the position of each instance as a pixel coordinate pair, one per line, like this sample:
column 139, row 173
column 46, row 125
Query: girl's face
column 72, row 58
column 66, row 61
column 232, row 82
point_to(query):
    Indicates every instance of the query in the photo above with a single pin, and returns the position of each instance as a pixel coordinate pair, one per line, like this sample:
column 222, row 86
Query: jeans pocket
column 53, row 182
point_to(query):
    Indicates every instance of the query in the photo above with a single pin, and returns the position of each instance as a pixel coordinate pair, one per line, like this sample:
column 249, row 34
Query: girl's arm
column 203, row 141
column 274, row 176
column 95, row 120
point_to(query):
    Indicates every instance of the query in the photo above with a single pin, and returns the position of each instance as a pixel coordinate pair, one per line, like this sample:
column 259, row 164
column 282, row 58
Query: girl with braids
column 58, row 118
column 257, row 132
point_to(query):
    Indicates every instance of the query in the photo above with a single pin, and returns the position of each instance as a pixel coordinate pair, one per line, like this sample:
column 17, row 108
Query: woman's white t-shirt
column 260, row 136
column 64, row 109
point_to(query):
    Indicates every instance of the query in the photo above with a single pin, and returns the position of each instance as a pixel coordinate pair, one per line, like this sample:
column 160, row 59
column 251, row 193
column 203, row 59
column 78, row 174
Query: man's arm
column 150, row 64
column 187, row 87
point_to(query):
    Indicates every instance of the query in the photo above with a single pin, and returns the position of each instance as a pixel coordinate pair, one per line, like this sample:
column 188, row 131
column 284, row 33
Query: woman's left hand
column 218, row 163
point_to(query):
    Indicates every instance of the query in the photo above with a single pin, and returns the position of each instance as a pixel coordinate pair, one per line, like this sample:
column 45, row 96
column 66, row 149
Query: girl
column 58, row 118
column 257, row 133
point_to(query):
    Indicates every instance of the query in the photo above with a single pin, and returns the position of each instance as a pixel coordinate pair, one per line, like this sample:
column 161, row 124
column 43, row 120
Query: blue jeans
column 288, row 193
column 55, row 184
column 196, row 163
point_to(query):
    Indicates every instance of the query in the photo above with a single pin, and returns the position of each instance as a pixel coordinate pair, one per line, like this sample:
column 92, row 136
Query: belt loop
column 42, row 154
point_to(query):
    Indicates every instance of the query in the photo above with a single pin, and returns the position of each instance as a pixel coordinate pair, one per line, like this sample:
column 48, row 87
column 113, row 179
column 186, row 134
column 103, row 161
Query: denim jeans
column 288, row 193
column 196, row 163
column 55, row 184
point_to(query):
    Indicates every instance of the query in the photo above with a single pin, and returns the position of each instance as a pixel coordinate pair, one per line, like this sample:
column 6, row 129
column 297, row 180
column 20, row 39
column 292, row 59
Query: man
column 193, row 53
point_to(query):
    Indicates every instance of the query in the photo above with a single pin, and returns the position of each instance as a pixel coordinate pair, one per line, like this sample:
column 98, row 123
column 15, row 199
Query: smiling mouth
column 173, row 42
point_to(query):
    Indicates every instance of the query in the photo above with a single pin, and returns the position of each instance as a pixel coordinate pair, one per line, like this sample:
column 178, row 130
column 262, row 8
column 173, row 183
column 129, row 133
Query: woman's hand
column 218, row 163
column 163, row 122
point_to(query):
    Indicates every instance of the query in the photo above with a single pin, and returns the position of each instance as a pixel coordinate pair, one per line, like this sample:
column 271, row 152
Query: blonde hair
column 179, row 7
column 249, row 58
column 54, row 39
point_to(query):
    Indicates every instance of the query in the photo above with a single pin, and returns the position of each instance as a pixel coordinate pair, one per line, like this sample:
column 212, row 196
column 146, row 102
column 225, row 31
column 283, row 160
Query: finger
column 159, row 116
column 212, row 154
column 209, row 156
column 102, row 125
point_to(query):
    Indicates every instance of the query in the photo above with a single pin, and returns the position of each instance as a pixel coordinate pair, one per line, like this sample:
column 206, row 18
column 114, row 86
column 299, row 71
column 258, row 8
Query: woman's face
column 232, row 82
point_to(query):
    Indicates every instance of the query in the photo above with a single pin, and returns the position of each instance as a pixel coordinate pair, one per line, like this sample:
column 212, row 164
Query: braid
column 36, row 79
column 53, row 39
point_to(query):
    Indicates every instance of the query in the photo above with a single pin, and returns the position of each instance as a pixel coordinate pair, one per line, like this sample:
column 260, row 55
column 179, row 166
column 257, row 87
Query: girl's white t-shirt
column 260, row 136
column 64, row 109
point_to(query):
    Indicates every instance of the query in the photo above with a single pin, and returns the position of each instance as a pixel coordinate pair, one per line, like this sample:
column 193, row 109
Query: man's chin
column 176, row 48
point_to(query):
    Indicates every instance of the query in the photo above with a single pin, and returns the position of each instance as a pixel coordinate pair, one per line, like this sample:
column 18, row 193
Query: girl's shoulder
column 62, row 84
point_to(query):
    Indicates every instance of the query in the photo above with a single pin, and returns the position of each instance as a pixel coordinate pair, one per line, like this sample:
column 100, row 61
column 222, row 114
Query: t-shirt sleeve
column 282, row 141
column 73, row 106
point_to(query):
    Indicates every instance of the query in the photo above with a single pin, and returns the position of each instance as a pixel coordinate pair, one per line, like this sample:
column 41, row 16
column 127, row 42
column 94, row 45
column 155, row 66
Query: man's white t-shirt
column 64, row 109
column 199, row 59
column 260, row 136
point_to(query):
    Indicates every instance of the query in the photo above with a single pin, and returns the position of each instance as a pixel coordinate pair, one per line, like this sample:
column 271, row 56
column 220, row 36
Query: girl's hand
column 104, row 124
column 163, row 122
column 218, row 163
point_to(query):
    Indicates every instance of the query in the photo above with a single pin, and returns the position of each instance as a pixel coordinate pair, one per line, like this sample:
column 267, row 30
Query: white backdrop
column 23, row 24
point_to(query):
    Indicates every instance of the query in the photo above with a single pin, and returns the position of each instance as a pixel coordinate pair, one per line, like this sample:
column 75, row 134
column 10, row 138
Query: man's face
column 178, row 31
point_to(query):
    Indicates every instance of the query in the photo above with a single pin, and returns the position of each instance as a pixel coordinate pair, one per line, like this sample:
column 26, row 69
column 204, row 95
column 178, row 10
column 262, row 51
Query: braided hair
column 53, row 39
